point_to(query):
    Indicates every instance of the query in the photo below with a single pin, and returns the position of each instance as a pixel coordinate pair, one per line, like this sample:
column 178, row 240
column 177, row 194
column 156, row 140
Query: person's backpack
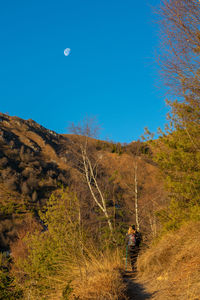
column 131, row 240
column 138, row 238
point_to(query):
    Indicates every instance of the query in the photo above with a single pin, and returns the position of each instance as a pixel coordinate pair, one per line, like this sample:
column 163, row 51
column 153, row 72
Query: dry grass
column 94, row 279
column 172, row 267
column 101, row 279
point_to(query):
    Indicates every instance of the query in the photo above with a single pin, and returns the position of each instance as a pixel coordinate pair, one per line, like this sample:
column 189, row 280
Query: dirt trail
column 135, row 290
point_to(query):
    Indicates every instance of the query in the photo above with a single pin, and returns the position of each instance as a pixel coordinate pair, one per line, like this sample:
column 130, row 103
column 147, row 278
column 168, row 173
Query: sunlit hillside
column 35, row 161
column 171, row 267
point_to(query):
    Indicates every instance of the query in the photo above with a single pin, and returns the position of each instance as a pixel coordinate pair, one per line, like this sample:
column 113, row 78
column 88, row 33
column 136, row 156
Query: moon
column 67, row 51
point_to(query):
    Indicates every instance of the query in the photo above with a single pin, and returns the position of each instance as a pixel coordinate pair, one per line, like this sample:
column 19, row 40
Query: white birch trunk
column 136, row 198
column 89, row 172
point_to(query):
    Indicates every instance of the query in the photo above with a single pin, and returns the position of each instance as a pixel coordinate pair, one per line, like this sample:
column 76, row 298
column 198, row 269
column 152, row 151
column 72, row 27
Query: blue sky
column 111, row 72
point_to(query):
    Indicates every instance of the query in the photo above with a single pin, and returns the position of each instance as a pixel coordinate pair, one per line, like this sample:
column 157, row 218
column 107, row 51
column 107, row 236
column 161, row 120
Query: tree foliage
column 178, row 149
column 8, row 288
column 55, row 255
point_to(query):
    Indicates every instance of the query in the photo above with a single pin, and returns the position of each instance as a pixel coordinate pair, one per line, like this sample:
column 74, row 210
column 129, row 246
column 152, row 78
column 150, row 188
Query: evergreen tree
column 178, row 149
column 55, row 255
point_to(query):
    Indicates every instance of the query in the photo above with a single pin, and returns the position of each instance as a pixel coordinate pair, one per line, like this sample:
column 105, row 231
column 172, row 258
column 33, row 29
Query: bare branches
column 88, row 127
column 83, row 131
column 181, row 43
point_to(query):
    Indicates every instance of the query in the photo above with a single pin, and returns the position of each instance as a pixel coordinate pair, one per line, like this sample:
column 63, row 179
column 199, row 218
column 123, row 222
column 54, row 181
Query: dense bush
column 8, row 287
column 53, row 254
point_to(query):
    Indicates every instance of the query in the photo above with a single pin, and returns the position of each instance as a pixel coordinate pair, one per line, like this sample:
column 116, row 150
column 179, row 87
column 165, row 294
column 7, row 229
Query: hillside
column 35, row 161
column 169, row 269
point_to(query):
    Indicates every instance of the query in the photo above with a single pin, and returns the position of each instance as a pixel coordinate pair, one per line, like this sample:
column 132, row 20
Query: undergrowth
column 172, row 265
column 63, row 262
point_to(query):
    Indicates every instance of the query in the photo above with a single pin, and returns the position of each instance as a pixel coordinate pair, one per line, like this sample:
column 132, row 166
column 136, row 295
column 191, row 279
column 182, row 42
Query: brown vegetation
column 171, row 267
column 39, row 160
column 103, row 280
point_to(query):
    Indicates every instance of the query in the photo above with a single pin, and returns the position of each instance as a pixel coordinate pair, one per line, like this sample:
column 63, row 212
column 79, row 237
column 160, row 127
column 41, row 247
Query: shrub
column 54, row 253
column 62, row 261
column 8, row 288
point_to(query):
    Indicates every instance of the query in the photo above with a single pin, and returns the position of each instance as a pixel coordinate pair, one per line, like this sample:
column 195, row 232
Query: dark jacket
column 138, row 237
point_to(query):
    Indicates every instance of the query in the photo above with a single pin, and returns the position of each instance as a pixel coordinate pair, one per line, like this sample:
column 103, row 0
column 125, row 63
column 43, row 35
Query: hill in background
column 35, row 161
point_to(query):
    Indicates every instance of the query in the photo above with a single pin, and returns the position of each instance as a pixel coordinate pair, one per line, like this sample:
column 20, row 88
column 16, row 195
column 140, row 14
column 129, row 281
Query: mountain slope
column 35, row 161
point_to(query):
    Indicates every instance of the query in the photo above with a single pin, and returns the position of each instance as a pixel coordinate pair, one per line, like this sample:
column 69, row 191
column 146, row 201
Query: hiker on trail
column 133, row 239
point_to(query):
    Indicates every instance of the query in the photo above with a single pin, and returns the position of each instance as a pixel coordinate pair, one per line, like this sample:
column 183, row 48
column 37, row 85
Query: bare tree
column 180, row 64
column 133, row 184
column 136, row 193
column 180, row 20
column 88, row 165
column 144, row 189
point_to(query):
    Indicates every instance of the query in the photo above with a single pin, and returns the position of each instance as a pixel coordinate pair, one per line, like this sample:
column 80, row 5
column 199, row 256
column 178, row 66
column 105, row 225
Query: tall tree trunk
column 89, row 174
column 136, row 197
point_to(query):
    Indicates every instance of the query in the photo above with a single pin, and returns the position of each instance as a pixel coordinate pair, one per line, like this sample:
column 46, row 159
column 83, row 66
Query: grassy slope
column 171, row 267
column 102, row 280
